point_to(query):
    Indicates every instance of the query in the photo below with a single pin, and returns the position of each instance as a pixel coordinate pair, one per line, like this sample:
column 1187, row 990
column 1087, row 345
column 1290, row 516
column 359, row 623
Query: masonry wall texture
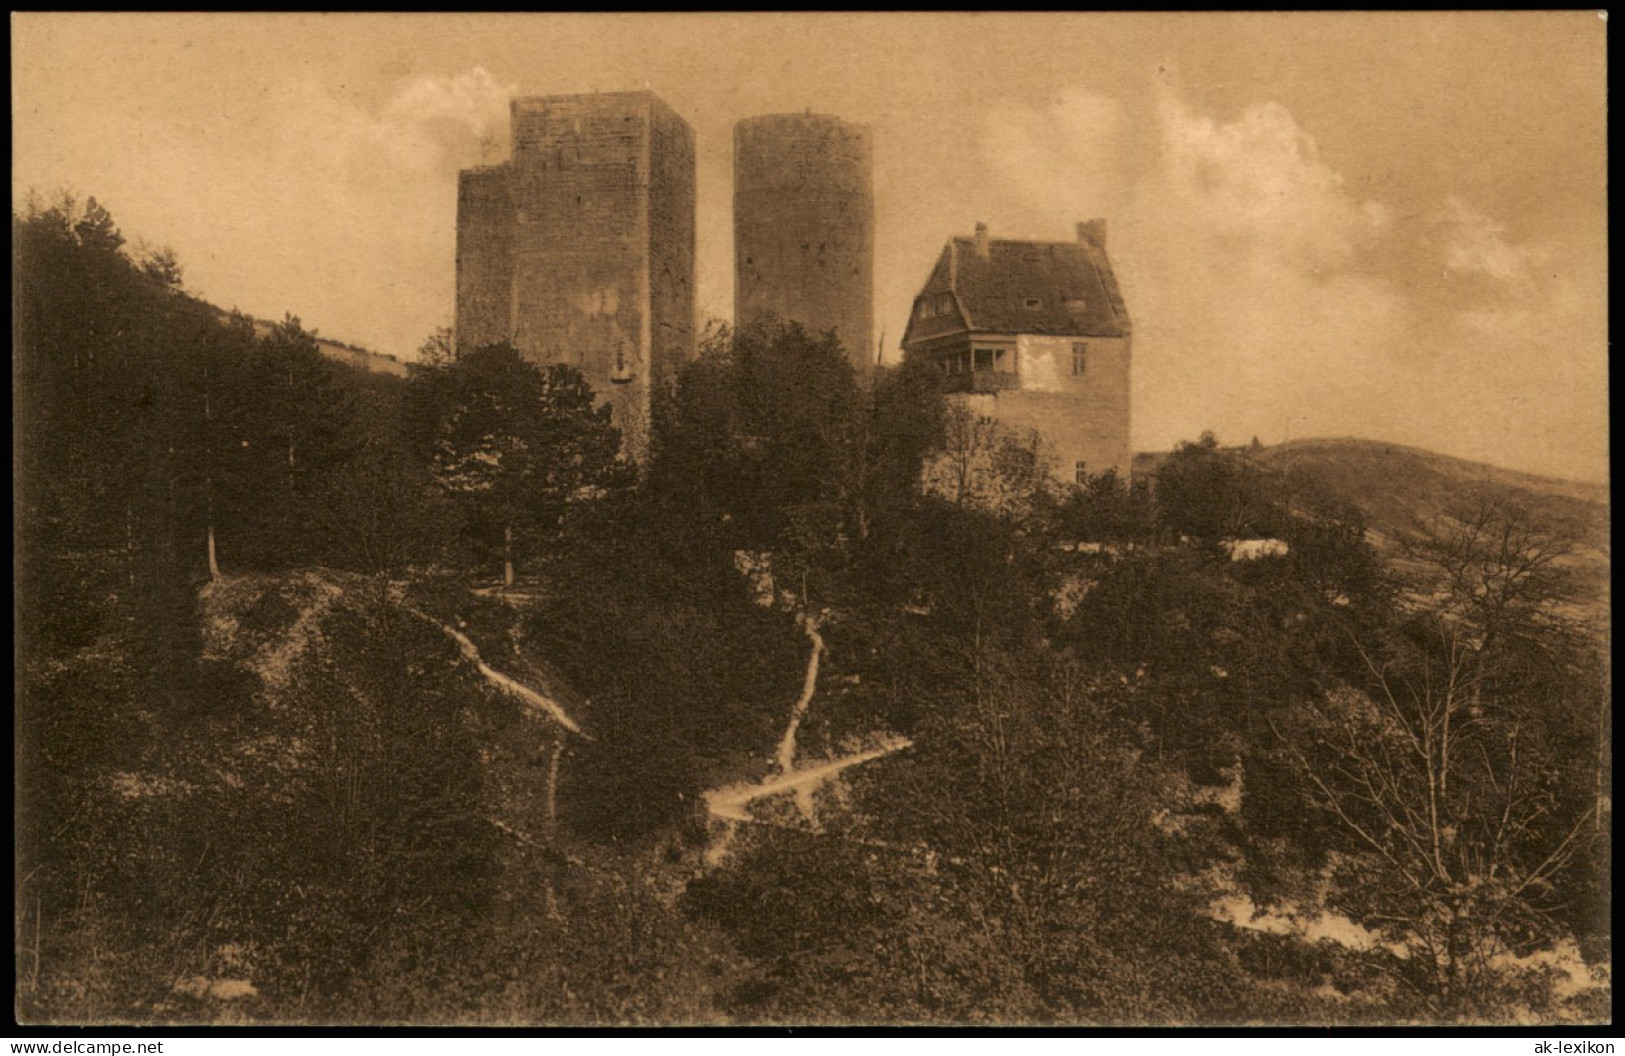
column 580, row 249
column 484, row 257
column 1085, row 418
column 804, row 227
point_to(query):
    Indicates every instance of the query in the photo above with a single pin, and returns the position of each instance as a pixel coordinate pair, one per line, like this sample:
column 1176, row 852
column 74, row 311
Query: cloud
column 1260, row 181
column 1517, row 348
column 1072, row 149
column 1243, row 256
column 1247, row 262
column 1270, row 299
column 428, row 125
column 1474, row 243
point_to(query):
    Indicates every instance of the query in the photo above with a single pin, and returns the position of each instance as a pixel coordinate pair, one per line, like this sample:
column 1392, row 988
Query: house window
column 1080, row 472
column 1032, row 302
column 984, row 358
column 1080, row 357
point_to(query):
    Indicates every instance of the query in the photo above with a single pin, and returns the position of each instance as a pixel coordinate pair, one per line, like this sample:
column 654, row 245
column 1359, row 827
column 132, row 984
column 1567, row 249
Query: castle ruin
column 580, row 249
column 804, row 246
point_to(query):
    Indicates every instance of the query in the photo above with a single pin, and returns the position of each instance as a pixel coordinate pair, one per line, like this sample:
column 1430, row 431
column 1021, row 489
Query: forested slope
column 348, row 698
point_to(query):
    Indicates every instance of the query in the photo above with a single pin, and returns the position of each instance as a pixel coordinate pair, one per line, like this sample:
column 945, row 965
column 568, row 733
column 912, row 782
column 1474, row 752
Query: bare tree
column 987, row 465
column 1435, row 767
column 967, row 443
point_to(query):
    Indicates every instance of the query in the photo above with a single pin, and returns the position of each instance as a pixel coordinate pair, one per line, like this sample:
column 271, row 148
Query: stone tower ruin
column 580, row 249
column 804, row 244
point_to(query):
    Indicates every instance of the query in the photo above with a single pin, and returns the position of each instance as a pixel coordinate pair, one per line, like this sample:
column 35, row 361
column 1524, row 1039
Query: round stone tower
column 804, row 246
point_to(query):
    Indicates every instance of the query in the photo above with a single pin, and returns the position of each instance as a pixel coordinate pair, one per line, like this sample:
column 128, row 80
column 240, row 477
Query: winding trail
column 787, row 743
column 471, row 653
column 731, row 802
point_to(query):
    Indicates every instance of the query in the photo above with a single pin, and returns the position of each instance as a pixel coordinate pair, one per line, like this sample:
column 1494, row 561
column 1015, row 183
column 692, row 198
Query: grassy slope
column 1394, row 486
column 1391, row 483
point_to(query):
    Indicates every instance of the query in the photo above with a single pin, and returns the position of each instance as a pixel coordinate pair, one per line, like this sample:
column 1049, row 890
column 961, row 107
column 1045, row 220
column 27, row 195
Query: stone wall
column 804, row 226
column 671, row 244
column 484, row 257
column 1084, row 417
column 599, row 245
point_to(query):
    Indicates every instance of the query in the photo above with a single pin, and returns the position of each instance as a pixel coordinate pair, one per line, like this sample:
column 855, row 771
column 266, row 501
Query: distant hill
column 1391, row 483
column 1393, row 486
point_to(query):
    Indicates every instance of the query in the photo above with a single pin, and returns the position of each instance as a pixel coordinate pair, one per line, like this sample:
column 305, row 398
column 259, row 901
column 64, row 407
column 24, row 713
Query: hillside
column 766, row 733
column 1392, row 484
column 343, row 351
column 1394, row 487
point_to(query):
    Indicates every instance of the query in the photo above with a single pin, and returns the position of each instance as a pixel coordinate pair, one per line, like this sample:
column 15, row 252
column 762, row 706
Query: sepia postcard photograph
column 772, row 520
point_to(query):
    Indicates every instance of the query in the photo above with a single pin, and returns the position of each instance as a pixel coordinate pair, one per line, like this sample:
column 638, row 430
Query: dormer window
column 931, row 307
column 1032, row 302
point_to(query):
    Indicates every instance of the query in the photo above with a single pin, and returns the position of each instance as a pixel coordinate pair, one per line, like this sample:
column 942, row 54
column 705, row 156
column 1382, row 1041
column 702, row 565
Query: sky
column 1390, row 226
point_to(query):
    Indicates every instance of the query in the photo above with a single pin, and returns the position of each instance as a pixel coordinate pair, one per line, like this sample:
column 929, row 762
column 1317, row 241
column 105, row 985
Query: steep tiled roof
column 1026, row 288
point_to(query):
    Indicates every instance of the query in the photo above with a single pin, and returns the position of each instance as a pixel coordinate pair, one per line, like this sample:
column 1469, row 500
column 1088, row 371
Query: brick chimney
column 1093, row 231
column 981, row 239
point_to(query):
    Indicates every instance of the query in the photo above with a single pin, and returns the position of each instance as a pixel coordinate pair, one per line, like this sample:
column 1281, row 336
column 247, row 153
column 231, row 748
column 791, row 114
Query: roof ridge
column 1108, row 282
column 971, row 240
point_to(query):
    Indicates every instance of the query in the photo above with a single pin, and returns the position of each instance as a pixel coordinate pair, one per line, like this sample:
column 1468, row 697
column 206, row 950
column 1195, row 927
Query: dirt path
column 809, row 685
column 471, row 653
column 731, row 803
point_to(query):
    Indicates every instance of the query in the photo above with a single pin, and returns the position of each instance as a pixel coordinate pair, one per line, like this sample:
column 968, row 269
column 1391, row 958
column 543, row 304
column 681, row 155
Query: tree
column 983, row 463
column 1020, row 483
column 1208, row 494
column 758, row 446
column 1029, row 790
column 382, row 510
column 438, row 349
column 903, row 423
column 777, row 405
column 515, row 445
column 96, row 229
column 1106, row 508
column 968, row 440
column 1445, row 768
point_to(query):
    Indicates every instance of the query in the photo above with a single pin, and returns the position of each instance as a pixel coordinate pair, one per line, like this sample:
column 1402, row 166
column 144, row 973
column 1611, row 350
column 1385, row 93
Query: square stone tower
column 580, row 249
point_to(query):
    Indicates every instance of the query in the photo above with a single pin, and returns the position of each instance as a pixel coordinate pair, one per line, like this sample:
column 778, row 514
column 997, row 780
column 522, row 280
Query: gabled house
column 1034, row 336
